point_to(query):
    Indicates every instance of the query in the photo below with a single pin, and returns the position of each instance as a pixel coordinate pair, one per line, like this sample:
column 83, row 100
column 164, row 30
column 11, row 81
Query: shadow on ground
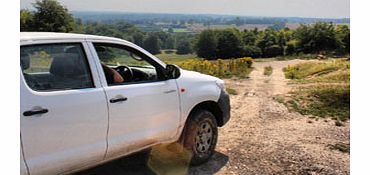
column 160, row 162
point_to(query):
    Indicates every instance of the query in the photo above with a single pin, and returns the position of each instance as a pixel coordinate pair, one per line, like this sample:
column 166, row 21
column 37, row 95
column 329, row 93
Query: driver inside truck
column 112, row 75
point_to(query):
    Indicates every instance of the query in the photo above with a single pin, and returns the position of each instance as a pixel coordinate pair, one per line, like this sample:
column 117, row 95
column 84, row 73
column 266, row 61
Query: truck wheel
column 200, row 136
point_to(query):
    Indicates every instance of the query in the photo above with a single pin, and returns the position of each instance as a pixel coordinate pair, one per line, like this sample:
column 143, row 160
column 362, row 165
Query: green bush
column 252, row 51
column 291, row 47
column 273, row 51
column 267, row 71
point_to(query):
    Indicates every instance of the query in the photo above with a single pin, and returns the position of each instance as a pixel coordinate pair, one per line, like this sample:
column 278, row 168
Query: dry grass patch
column 322, row 89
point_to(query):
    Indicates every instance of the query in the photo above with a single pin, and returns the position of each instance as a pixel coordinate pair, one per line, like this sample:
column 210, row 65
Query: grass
column 173, row 58
column 279, row 99
column 342, row 147
column 267, row 71
column 331, row 101
column 335, row 71
column 323, row 89
column 299, row 56
column 231, row 91
column 288, row 57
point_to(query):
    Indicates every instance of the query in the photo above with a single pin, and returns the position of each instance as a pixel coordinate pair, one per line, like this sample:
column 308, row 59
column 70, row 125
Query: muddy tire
column 200, row 136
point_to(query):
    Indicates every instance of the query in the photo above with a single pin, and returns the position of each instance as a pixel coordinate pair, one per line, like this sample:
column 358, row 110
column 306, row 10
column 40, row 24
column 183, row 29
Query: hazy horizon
column 253, row 8
column 216, row 14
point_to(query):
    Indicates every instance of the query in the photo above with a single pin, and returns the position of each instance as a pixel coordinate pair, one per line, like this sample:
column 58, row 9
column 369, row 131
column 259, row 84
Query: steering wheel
column 125, row 72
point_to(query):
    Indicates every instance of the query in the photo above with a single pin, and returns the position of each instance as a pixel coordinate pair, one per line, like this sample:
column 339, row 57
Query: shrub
column 231, row 91
column 291, row 47
column 240, row 67
column 252, row 51
column 273, row 51
column 267, row 71
column 183, row 48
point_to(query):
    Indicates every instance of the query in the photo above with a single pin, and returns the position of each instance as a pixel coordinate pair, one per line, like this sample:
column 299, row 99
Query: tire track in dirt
column 263, row 137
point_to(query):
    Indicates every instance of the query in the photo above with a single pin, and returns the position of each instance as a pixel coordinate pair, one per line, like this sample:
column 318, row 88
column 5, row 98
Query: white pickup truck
column 74, row 115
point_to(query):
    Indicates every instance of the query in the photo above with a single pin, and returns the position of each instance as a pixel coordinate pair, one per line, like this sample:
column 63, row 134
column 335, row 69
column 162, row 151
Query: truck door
column 64, row 116
column 143, row 109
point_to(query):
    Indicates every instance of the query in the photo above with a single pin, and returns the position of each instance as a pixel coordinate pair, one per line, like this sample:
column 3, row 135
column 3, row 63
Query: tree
column 162, row 36
column 273, row 51
column 206, row 45
column 238, row 21
column 170, row 30
column 151, row 44
column 291, row 47
column 229, row 45
column 51, row 16
column 138, row 38
column 268, row 42
column 317, row 38
column 169, row 43
column 252, row 51
column 26, row 20
column 183, row 48
column 102, row 29
column 281, row 38
column 343, row 34
column 249, row 37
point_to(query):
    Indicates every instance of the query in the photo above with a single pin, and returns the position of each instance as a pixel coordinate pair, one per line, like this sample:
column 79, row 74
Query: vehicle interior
column 134, row 73
column 131, row 67
column 64, row 66
column 55, row 67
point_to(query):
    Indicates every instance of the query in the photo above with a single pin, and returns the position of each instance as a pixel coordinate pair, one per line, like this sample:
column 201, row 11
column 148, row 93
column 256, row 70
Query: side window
column 55, row 67
column 122, row 65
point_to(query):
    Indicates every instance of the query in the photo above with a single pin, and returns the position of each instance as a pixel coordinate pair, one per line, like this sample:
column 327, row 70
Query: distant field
column 181, row 30
column 199, row 27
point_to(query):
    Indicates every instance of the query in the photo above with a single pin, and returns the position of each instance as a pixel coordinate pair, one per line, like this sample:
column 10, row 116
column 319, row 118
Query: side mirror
column 172, row 71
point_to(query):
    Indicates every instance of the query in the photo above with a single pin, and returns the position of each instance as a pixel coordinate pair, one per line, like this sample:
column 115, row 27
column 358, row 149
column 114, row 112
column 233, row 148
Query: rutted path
column 263, row 137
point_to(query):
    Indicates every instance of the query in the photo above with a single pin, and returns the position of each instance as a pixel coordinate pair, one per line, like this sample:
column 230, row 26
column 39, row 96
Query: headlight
column 220, row 84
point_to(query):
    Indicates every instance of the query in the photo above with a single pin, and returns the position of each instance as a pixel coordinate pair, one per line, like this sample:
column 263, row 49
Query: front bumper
column 224, row 104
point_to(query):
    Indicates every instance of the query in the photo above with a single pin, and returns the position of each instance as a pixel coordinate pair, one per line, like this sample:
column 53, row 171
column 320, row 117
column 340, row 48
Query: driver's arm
column 117, row 78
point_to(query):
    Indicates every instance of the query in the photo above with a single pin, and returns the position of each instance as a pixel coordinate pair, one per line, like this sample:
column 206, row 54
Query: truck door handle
column 34, row 112
column 169, row 91
column 115, row 100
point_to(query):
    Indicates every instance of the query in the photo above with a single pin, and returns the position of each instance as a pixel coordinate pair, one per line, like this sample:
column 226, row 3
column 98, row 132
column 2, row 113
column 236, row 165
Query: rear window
column 55, row 67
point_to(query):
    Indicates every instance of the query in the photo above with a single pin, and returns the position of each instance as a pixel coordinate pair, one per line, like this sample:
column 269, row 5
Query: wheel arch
column 210, row 106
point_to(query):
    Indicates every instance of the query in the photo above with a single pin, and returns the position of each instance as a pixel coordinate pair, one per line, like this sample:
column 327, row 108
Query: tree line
column 318, row 38
column 321, row 37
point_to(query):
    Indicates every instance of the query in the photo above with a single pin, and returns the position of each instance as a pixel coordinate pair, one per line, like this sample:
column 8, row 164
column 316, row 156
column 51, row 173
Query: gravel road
column 262, row 137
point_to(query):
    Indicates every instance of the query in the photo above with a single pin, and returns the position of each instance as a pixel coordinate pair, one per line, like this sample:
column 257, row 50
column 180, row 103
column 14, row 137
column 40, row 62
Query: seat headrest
column 25, row 61
column 67, row 65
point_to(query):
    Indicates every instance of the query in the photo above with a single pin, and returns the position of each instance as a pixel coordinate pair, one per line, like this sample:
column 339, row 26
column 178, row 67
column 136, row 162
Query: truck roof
column 26, row 37
column 61, row 36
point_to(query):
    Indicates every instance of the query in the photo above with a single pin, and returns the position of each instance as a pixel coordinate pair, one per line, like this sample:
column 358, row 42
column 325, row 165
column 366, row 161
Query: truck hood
column 197, row 76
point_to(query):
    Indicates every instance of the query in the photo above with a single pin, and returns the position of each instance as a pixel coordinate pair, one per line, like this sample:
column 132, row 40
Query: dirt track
column 262, row 137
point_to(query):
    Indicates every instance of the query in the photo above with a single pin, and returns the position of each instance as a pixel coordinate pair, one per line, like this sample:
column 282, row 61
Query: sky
column 270, row 8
